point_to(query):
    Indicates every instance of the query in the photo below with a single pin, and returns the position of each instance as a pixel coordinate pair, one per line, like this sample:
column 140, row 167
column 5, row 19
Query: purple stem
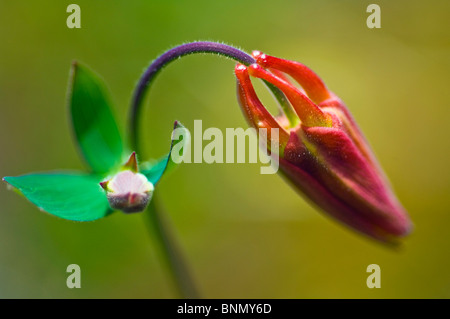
column 163, row 60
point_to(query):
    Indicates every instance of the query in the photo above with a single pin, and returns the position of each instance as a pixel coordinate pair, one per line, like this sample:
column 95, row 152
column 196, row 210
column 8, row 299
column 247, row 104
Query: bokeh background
column 245, row 235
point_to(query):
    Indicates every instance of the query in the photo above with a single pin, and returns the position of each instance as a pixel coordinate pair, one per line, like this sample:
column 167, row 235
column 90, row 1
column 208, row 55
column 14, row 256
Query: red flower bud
column 325, row 157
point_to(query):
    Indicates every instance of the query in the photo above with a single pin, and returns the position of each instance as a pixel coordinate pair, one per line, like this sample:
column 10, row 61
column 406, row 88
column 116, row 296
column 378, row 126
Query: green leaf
column 67, row 195
column 166, row 163
column 93, row 122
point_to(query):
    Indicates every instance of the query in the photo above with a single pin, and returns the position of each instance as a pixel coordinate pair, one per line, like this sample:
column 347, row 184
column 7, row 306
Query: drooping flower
column 110, row 186
column 323, row 153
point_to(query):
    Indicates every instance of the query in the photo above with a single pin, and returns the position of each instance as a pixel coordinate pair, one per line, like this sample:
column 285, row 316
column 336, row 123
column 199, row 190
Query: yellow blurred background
column 245, row 235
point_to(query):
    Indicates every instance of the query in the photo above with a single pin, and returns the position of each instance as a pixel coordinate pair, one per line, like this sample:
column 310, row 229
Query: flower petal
column 341, row 168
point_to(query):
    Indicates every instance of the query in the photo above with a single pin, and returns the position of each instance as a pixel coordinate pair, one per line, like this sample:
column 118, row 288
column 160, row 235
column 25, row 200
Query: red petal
column 311, row 83
column 351, row 178
column 254, row 110
column 309, row 113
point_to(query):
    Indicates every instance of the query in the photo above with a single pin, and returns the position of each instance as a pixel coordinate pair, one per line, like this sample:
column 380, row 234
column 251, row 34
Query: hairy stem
column 169, row 251
column 162, row 61
column 160, row 227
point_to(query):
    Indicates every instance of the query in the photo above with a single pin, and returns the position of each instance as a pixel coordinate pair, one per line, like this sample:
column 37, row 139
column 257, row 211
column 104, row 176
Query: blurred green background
column 245, row 235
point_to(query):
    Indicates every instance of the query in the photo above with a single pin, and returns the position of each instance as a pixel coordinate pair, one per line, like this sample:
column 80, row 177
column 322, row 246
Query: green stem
column 169, row 250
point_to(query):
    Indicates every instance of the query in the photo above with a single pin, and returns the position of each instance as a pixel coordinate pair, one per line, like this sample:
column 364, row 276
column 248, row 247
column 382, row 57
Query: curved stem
column 163, row 60
column 159, row 227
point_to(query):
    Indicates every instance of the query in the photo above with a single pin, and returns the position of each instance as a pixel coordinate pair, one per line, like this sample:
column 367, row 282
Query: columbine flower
column 322, row 151
column 110, row 186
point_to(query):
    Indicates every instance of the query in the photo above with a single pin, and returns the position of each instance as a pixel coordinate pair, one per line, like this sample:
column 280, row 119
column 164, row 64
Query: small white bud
column 128, row 191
